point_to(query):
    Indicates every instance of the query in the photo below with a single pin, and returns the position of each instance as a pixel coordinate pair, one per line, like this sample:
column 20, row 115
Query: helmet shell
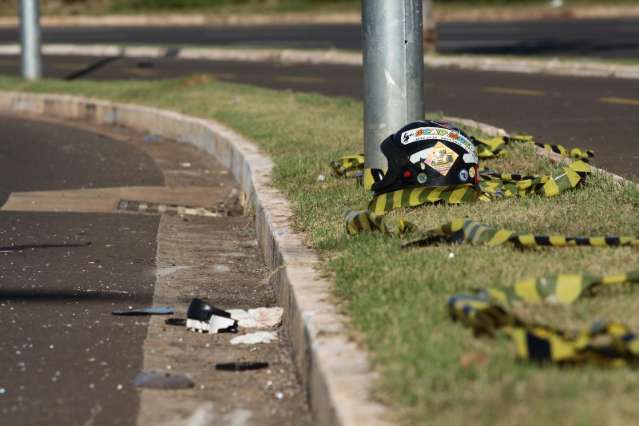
column 429, row 154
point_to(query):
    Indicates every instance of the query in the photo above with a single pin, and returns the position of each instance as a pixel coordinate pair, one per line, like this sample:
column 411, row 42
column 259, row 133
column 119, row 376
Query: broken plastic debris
column 10, row 249
column 260, row 318
column 176, row 321
column 240, row 366
column 154, row 379
column 161, row 310
column 254, row 338
column 204, row 318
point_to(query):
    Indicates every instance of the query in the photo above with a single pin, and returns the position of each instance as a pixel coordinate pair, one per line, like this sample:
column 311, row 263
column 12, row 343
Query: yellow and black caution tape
column 468, row 231
column 495, row 147
column 366, row 221
column 413, row 197
column 547, row 186
column 348, row 165
column 487, row 312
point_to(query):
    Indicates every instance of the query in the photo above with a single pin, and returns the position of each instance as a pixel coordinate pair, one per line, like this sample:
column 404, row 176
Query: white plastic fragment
column 214, row 325
column 254, row 338
column 259, row 318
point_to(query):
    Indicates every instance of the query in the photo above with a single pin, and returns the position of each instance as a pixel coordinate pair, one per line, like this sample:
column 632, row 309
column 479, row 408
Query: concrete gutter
column 333, row 369
column 553, row 66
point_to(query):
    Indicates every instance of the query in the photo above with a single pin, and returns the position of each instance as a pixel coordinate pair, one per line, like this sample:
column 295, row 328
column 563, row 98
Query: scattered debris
column 260, row 318
column 161, row 310
column 321, row 178
column 254, row 338
column 11, row 249
column 185, row 165
column 241, row 366
column 205, row 318
column 176, row 321
column 154, row 379
column 279, row 395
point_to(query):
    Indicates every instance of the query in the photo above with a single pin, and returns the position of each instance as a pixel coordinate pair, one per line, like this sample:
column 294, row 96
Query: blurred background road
column 601, row 38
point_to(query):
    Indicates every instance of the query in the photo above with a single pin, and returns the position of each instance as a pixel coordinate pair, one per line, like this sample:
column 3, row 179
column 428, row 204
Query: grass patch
column 433, row 370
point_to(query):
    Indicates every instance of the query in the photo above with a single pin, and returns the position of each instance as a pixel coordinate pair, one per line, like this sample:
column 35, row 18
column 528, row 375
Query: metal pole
column 30, row 39
column 393, row 71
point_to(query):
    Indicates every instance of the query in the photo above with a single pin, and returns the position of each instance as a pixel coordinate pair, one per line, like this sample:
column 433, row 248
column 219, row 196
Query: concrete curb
column 334, row 371
column 553, row 66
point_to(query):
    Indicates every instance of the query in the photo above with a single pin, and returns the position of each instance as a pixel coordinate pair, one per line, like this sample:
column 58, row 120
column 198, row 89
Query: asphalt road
column 597, row 113
column 604, row 38
column 64, row 357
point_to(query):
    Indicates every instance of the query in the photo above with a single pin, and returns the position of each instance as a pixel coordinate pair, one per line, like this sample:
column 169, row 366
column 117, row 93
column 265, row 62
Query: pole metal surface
column 30, row 39
column 393, row 71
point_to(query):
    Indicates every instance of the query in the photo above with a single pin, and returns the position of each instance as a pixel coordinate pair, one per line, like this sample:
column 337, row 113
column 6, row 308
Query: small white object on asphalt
column 214, row 325
column 259, row 318
column 279, row 395
column 3, row 391
column 254, row 338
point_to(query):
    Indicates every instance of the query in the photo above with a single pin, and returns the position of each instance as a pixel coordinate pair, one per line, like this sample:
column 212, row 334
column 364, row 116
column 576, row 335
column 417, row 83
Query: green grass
column 433, row 371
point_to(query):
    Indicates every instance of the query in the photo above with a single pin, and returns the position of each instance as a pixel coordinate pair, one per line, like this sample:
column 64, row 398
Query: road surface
column 590, row 38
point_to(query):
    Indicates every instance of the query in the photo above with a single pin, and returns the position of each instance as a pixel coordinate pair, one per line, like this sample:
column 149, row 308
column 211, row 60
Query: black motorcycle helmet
column 429, row 154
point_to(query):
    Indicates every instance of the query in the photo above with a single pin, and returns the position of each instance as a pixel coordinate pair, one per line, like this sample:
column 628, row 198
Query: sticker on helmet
column 430, row 133
column 440, row 157
column 463, row 175
column 471, row 171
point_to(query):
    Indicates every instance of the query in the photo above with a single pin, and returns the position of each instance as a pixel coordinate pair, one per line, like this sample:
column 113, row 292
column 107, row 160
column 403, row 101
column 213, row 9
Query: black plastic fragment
column 202, row 311
column 43, row 246
column 181, row 322
column 159, row 310
column 201, row 316
column 240, row 366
